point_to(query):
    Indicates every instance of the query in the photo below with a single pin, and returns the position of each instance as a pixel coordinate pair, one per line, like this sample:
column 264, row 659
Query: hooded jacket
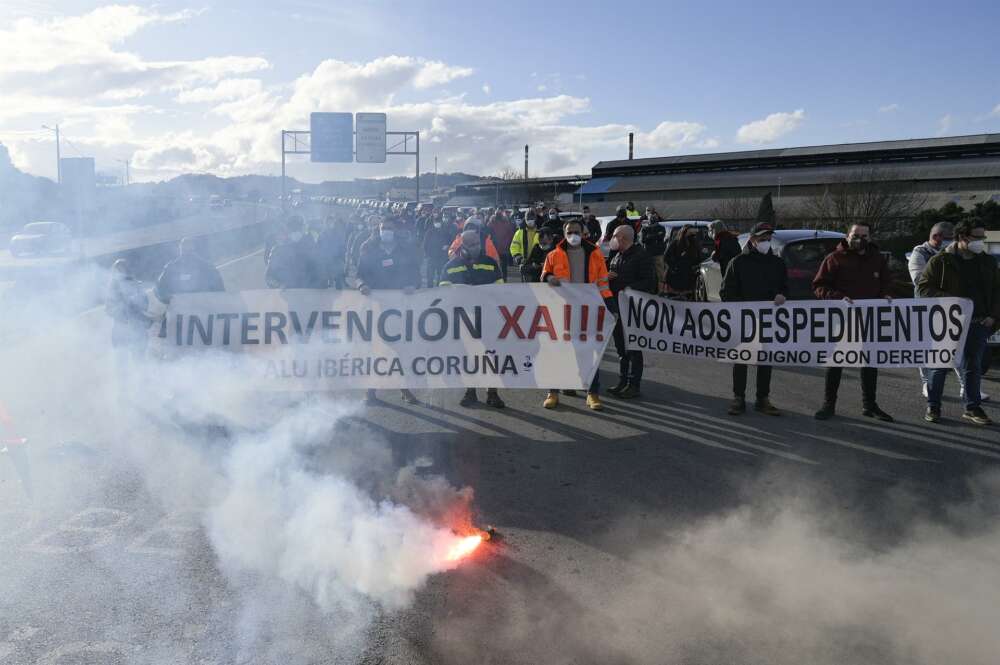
column 845, row 273
column 753, row 276
column 942, row 278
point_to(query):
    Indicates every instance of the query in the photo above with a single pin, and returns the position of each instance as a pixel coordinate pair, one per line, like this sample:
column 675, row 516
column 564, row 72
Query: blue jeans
column 971, row 369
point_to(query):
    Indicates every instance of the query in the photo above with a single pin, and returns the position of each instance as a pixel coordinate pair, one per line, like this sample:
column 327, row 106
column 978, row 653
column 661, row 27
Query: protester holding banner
column 576, row 261
column 632, row 268
column 681, row 260
column 531, row 269
column 855, row 270
column 294, row 263
column 386, row 263
column 188, row 273
column 964, row 270
column 473, row 268
column 755, row 275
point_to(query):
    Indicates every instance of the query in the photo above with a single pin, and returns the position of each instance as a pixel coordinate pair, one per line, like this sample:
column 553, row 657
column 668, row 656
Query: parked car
column 672, row 227
column 803, row 251
column 42, row 239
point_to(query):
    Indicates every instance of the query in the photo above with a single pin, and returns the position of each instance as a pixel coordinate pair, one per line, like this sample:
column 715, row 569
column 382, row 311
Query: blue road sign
column 331, row 137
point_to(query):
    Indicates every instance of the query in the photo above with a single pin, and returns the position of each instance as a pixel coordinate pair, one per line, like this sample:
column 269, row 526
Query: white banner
column 825, row 333
column 496, row 336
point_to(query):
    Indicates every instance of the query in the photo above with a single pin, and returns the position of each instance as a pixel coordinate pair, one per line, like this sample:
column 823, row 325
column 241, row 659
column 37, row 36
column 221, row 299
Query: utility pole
column 418, row 167
column 435, row 173
column 631, row 143
column 525, row 162
column 58, row 157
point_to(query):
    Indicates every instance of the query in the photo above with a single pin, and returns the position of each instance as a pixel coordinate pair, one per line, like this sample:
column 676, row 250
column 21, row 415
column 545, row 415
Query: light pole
column 58, row 160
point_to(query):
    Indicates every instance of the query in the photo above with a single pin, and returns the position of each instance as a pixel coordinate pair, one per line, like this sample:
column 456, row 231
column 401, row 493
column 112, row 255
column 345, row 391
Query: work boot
column 569, row 393
column 738, row 407
column 764, row 406
column 594, row 402
column 631, row 391
column 977, row 415
column 551, row 400
column 826, row 411
column 616, row 390
column 493, row 399
column 933, row 414
column 872, row 411
column 469, row 398
column 409, row 397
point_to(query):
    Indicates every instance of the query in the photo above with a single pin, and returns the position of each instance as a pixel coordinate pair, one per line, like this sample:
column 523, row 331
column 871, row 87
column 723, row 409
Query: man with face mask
column 578, row 261
column 631, row 268
column 437, row 239
column 525, row 239
column 473, row 268
column 965, row 270
column 531, row 269
column 552, row 222
column 855, row 270
column 386, row 263
column 294, row 263
column 653, row 237
column 488, row 247
column 755, row 275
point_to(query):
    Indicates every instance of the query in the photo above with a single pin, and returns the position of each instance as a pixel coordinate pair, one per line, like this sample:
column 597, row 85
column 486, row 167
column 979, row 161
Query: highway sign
column 331, row 137
column 371, row 137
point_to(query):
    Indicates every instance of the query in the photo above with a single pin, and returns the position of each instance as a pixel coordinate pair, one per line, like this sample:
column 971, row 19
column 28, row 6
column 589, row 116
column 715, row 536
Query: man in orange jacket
column 577, row 261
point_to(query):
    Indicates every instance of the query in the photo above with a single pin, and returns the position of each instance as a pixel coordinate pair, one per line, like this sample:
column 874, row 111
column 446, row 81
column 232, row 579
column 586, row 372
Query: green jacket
column 942, row 278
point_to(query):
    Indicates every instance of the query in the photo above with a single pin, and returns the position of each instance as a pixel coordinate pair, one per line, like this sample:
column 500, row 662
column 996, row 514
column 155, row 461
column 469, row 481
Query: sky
column 188, row 87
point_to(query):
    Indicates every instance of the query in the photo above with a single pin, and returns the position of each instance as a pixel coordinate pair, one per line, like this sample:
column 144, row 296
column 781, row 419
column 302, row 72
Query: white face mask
column 530, row 223
column 764, row 246
column 614, row 244
column 437, row 225
column 977, row 246
column 386, row 235
column 574, row 239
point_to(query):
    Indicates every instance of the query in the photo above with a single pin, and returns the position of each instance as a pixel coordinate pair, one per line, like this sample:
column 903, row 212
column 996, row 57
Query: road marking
column 929, row 440
column 963, row 438
column 102, row 535
column 681, row 435
column 867, row 449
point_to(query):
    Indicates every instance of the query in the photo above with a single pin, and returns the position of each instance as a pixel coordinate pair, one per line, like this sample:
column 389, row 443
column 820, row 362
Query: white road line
column 964, row 438
column 928, row 440
column 867, row 449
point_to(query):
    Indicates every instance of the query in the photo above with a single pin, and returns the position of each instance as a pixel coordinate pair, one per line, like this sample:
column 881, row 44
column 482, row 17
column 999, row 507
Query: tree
column 871, row 195
column 765, row 211
column 734, row 211
column 509, row 173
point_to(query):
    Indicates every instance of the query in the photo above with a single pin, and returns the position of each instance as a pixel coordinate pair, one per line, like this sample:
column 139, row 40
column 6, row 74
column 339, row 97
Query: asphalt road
column 658, row 531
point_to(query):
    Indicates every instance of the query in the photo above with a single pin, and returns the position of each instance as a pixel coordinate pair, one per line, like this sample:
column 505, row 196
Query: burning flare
column 463, row 547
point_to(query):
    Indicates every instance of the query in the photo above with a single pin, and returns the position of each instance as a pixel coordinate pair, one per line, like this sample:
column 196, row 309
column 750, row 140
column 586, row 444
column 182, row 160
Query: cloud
column 226, row 90
column 486, row 88
column 889, row 108
column 542, row 88
column 676, row 135
column 771, row 128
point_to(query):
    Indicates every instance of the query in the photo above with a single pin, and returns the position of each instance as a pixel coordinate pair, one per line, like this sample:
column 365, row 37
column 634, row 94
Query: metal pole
column 58, row 159
column 435, row 172
column 418, row 167
column 525, row 162
column 282, row 171
column 631, row 143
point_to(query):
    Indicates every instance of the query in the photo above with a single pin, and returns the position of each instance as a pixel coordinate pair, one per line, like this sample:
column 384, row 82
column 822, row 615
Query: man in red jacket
column 855, row 270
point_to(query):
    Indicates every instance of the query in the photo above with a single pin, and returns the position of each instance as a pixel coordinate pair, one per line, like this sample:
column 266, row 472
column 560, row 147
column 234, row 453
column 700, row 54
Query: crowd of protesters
column 440, row 248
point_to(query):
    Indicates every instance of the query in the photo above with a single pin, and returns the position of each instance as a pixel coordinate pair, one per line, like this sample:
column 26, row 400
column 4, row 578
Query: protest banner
column 497, row 336
column 820, row 333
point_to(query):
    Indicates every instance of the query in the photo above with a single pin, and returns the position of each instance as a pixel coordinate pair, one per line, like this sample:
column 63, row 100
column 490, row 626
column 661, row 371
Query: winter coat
column 634, row 269
column 753, row 276
column 942, row 278
column 595, row 271
column 524, row 241
column 681, row 267
column 531, row 269
column 503, row 232
column 187, row 274
column 437, row 241
column 295, row 265
column 919, row 257
column 727, row 248
column 848, row 274
column 381, row 269
column 126, row 304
